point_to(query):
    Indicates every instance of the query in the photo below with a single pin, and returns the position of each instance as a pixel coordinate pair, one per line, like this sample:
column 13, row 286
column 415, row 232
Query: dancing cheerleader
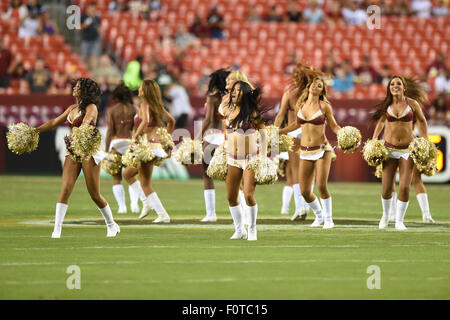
column 399, row 109
column 148, row 121
column 212, row 138
column 118, row 139
column 85, row 111
column 314, row 111
column 241, row 118
column 301, row 76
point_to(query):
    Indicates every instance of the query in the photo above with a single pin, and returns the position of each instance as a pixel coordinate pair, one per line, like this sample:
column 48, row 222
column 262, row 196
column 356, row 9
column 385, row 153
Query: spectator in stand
column 215, row 23
column 61, row 85
column 437, row 65
column 253, row 14
column 441, row 9
column 155, row 5
column 272, row 15
column 399, row 8
column 179, row 104
column 18, row 71
column 185, row 39
column 90, row 35
column 108, row 76
column 313, row 14
column 202, row 84
column 176, row 67
column 421, row 8
column 344, row 80
column 330, row 65
column 442, row 82
column 439, row 113
column 290, row 64
column 16, row 12
column 47, row 26
column 334, row 14
column 6, row 65
column 353, row 14
column 293, row 13
column 118, row 5
column 29, row 25
column 166, row 37
column 366, row 74
column 385, row 76
column 39, row 79
column 34, row 5
column 199, row 29
column 155, row 65
column 133, row 75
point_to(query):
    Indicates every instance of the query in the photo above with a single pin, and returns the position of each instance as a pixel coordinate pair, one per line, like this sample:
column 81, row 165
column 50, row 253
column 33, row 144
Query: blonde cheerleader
column 83, row 113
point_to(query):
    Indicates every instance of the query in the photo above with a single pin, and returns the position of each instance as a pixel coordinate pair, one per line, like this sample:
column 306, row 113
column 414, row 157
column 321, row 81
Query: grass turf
column 190, row 260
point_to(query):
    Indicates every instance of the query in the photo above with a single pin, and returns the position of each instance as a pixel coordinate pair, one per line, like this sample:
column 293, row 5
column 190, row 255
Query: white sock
column 107, row 215
column 138, row 190
column 253, row 213
column 315, row 206
column 286, row 198
column 60, row 213
column 422, row 198
column 401, row 210
column 244, row 206
column 394, row 203
column 156, row 203
column 237, row 215
column 134, row 197
column 119, row 194
column 386, row 204
column 298, row 198
column 210, row 202
column 327, row 209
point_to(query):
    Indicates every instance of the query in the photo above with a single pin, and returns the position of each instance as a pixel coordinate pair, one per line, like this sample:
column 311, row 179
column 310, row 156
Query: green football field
column 190, row 260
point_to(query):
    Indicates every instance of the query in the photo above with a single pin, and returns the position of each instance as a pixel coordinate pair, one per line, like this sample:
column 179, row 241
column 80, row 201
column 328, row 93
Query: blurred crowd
column 34, row 19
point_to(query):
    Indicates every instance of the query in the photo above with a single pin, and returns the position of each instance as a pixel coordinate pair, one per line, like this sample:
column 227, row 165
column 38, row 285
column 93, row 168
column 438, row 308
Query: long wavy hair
column 122, row 94
column 89, row 93
column 413, row 90
column 305, row 93
column 249, row 105
column 217, row 80
column 303, row 74
column 152, row 95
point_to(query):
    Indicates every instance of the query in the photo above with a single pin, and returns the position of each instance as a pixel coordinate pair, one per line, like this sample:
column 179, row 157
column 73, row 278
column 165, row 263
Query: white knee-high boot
column 60, row 213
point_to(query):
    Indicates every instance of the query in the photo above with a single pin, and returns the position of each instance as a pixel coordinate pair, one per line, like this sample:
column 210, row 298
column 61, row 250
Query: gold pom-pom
column 266, row 171
column 22, row 138
column 217, row 168
column 284, row 141
column 281, row 167
column 424, row 154
column 349, row 139
column 86, row 141
column 189, row 151
column 112, row 164
column 374, row 152
column 139, row 151
column 379, row 171
column 165, row 139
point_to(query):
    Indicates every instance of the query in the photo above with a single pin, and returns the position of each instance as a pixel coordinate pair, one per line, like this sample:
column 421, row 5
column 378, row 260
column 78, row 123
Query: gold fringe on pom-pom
column 112, row 164
column 284, row 141
column 217, row 168
column 282, row 167
column 266, row 171
column 86, row 141
column 22, row 138
column 424, row 154
column 379, row 171
column 165, row 139
column 374, row 152
column 138, row 152
column 189, row 152
column 349, row 139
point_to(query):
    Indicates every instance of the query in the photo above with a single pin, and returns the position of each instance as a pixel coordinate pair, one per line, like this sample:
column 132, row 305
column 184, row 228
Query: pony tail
column 304, row 73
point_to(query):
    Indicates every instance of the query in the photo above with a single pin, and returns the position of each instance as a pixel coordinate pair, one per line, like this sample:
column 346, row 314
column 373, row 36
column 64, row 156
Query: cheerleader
column 241, row 119
column 118, row 138
column 314, row 111
column 301, row 76
column 151, row 116
column 399, row 109
column 212, row 138
column 85, row 111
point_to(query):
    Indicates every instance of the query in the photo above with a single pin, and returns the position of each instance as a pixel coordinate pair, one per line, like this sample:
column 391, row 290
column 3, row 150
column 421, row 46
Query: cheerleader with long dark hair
column 87, row 94
column 212, row 133
column 398, row 110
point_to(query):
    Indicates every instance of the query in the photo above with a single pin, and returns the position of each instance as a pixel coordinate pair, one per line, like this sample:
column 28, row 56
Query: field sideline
column 190, row 260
